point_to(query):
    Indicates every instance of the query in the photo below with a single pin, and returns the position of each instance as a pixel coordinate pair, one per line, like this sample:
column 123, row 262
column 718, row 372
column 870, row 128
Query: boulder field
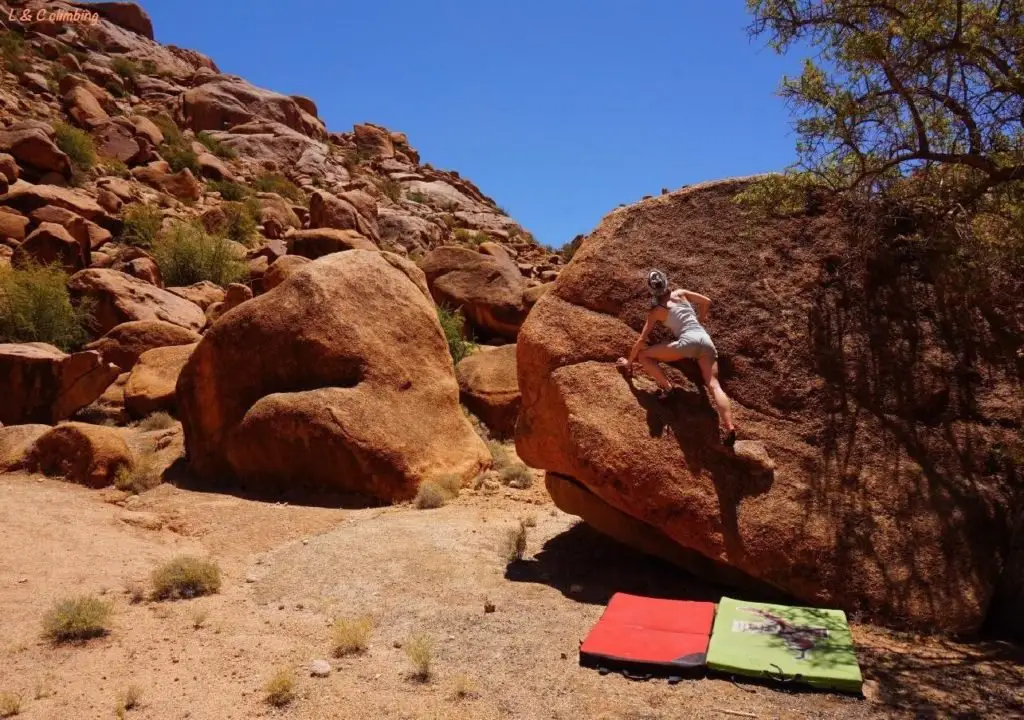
column 863, row 479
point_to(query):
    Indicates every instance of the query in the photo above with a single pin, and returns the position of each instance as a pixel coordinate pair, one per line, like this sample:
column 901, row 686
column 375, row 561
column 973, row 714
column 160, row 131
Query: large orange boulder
column 90, row 455
column 352, row 389
column 151, row 386
column 120, row 298
column 41, row 384
column 866, row 476
column 281, row 269
column 226, row 101
column 51, row 244
column 488, row 290
column 353, row 210
column 16, row 443
column 124, row 343
column 489, row 387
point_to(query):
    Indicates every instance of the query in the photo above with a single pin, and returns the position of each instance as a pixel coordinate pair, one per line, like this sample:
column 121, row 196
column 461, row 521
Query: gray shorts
column 695, row 344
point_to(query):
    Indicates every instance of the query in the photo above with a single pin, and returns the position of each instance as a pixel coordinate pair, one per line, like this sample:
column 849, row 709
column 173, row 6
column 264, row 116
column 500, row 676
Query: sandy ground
column 290, row 570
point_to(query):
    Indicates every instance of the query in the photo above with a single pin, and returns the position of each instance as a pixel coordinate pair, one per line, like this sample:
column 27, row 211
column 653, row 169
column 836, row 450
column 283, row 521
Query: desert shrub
column 570, row 249
column 138, row 478
column 199, row 618
column 13, row 52
column 350, row 635
column 185, row 577
column 76, row 144
column 450, row 206
column 230, row 191
column 420, row 651
column 187, row 254
column 124, row 67
column 157, row 421
column 35, row 307
column 280, row 689
column 216, row 147
column 115, row 89
column 115, row 167
column 275, row 183
column 10, row 705
column 499, row 455
column 515, row 542
column 180, row 156
column 141, row 225
column 516, row 476
column 453, row 323
column 77, row 619
column 416, row 197
column 169, row 128
column 392, row 189
column 241, row 220
column 130, row 698
column 464, row 687
column 435, row 493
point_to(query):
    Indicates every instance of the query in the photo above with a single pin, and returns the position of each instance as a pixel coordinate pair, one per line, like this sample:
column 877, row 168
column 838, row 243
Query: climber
column 676, row 310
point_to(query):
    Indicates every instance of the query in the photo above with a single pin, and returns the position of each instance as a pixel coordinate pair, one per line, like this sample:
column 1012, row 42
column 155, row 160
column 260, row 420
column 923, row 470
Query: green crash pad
column 787, row 644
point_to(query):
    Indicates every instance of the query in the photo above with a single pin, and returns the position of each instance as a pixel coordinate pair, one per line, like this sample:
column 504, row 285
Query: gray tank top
column 682, row 318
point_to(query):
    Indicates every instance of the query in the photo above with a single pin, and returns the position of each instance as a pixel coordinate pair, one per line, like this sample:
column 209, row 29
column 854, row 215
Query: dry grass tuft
column 435, row 493
column 185, row 577
column 199, row 618
column 131, row 698
column 465, row 688
column 420, row 650
column 142, row 476
column 10, row 705
column 516, row 476
column 499, row 455
column 350, row 635
column 157, row 421
column 515, row 543
column 280, row 689
column 77, row 619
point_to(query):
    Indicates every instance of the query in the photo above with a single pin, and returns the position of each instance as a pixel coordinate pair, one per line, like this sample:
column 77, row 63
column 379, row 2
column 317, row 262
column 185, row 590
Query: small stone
column 488, row 606
column 564, row 656
column 305, row 541
column 319, row 668
column 251, row 578
column 397, row 645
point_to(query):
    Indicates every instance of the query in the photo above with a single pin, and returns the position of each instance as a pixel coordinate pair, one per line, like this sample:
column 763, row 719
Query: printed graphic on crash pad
column 806, row 645
column 649, row 635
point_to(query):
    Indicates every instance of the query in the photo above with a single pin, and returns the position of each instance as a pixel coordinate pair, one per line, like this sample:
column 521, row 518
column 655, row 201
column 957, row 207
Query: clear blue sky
column 558, row 109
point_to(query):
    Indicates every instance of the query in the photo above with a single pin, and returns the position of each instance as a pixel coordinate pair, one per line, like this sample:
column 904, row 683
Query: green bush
column 35, row 307
column 230, row 191
column 216, row 146
column 469, row 237
column 125, row 68
column 241, row 222
column 392, row 189
column 76, row 144
column 187, row 254
column 275, row 183
column 13, row 52
column 180, row 157
column 148, row 67
column 141, row 225
column 569, row 250
column 77, row 619
column 115, row 89
column 169, row 128
column 417, row 197
column 185, row 577
column 453, row 324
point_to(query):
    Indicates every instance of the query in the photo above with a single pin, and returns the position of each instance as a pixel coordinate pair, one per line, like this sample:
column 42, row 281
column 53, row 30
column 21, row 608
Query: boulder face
column 488, row 290
column 151, row 386
column 41, row 384
column 862, row 482
column 352, row 390
column 89, row 455
column 121, row 298
column 489, row 388
column 123, row 344
column 227, row 101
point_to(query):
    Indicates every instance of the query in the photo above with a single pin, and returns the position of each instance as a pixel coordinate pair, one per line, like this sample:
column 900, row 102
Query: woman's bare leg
column 709, row 370
column 649, row 358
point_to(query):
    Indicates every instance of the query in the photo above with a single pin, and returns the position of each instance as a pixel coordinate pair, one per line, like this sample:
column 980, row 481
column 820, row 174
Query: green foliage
column 126, row 68
column 516, row 476
column 231, row 191
column 216, row 147
column 470, row 237
column 416, row 197
column 779, row 195
column 275, row 183
column 187, row 254
column 13, row 52
column 391, row 189
column 169, row 128
column 241, row 220
column 76, row 144
column 453, row 323
column 77, row 619
column 148, row 67
column 570, row 249
column 116, row 168
column 185, row 577
column 115, row 89
column 35, row 307
column 280, row 689
column 141, row 225
column 180, row 156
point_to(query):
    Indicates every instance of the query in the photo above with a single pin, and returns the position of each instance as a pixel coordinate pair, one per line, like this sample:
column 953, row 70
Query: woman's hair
column 657, row 283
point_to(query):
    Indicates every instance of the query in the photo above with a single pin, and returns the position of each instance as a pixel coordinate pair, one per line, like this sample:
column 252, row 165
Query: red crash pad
column 649, row 636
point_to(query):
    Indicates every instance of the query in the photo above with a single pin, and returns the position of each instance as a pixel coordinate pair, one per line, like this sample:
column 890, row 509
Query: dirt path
column 289, row 570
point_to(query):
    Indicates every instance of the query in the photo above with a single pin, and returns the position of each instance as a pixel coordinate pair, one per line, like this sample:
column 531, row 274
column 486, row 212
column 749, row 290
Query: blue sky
column 559, row 110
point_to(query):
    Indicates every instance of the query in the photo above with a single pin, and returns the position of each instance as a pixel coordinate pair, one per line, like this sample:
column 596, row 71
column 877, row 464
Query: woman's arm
column 702, row 302
column 638, row 345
